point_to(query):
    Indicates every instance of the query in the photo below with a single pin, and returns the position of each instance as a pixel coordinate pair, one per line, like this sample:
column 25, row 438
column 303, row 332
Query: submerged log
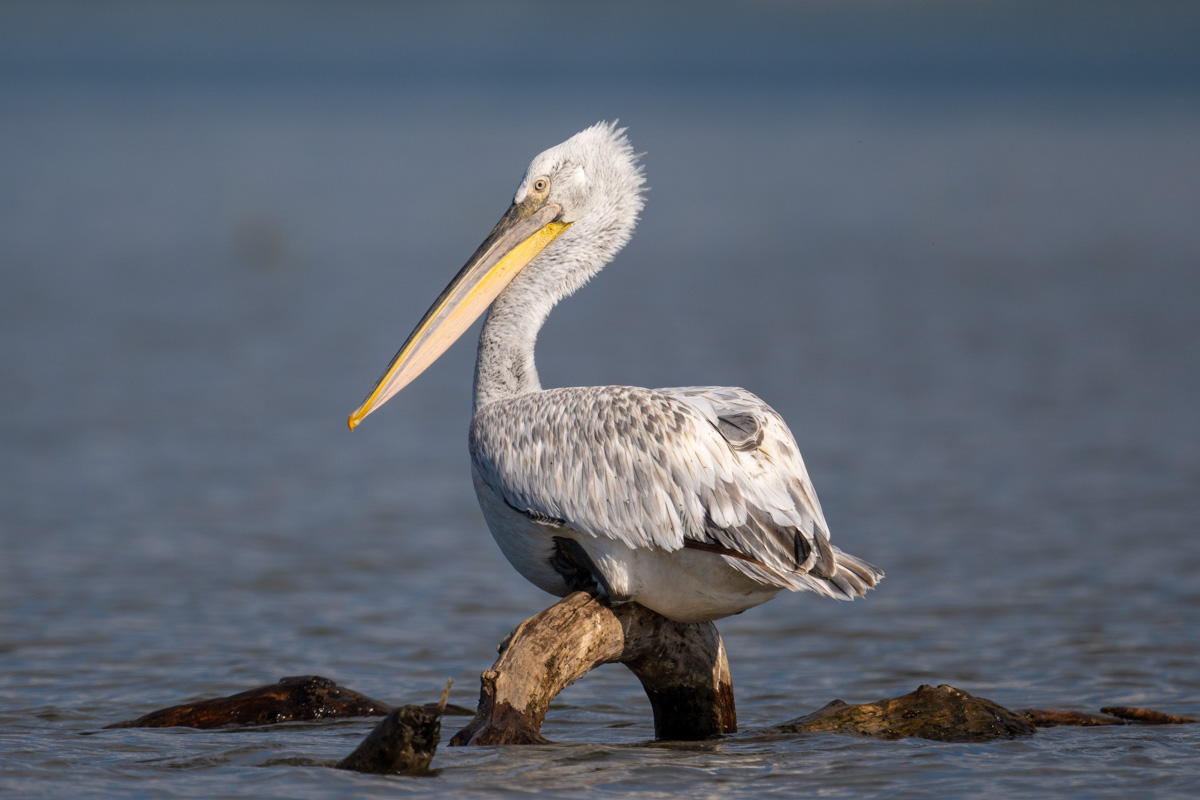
column 943, row 714
column 302, row 698
column 403, row 744
column 1147, row 716
column 682, row 667
column 1049, row 718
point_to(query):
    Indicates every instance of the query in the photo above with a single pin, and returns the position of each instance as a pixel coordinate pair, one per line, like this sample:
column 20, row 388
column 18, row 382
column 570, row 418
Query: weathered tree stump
column 302, row 698
column 682, row 667
column 943, row 714
column 403, row 744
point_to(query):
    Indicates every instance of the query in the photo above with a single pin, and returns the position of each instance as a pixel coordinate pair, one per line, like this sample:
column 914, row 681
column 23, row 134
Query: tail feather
column 852, row 578
column 857, row 575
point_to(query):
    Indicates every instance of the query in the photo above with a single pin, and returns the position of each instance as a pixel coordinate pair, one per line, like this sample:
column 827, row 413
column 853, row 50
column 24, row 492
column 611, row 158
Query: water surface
column 956, row 250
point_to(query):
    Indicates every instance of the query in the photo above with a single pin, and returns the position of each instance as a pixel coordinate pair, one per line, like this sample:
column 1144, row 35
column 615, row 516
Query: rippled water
column 959, row 256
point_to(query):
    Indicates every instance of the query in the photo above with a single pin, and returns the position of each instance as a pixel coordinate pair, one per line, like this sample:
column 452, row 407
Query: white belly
column 683, row 585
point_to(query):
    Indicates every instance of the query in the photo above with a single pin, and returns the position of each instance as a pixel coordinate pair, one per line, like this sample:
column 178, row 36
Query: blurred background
column 955, row 245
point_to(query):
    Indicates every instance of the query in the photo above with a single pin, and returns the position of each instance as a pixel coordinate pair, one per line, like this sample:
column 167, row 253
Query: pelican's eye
column 541, row 185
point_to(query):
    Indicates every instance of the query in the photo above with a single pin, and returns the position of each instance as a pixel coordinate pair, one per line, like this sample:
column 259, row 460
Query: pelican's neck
column 504, row 366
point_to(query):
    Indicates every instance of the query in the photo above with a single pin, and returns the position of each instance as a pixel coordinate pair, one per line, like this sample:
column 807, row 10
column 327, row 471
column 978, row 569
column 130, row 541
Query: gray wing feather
column 782, row 515
column 713, row 467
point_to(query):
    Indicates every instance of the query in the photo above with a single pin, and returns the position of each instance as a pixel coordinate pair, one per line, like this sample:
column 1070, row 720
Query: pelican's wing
column 709, row 468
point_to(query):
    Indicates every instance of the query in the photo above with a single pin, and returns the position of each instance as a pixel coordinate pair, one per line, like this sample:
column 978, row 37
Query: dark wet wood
column 403, row 744
column 682, row 667
column 684, row 671
column 1048, row 718
column 1147, row 716
column 302, row 698
column 941, row 713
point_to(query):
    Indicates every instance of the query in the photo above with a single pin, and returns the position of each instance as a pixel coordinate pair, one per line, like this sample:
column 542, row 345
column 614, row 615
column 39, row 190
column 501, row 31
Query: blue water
column 955, row 247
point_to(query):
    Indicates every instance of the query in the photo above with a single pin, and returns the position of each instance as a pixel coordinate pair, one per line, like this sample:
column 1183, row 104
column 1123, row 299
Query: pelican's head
column 575, row 207
column 594, row 176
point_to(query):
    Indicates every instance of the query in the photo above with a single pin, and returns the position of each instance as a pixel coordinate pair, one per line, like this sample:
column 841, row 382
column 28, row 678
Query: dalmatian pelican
column 694, row 501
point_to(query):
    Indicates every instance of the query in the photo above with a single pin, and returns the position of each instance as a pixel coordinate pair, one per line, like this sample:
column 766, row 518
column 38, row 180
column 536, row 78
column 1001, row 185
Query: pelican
column 693, row 502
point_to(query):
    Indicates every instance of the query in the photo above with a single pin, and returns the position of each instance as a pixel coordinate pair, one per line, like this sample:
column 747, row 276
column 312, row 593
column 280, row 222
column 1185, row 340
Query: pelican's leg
column 579, row 571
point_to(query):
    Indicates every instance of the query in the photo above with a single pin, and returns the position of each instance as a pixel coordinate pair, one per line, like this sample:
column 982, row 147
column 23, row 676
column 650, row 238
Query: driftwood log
column 682, row 667
column 941, row 713
column 299, row 699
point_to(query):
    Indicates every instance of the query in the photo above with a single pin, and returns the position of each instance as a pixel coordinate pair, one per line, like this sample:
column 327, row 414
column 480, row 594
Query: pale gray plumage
column 694, row 501
column 652, row 469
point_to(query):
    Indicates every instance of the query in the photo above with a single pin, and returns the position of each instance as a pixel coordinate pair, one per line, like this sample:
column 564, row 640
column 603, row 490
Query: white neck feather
column 504, row 366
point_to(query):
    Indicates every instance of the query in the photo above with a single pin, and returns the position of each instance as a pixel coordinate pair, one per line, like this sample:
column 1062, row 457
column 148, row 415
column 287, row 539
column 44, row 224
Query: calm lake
column 955, row 247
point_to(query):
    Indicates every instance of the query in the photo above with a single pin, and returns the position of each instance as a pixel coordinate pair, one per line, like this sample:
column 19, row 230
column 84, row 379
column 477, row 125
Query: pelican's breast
column 528, row 545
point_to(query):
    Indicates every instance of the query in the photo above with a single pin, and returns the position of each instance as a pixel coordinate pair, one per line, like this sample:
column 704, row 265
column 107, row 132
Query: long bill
column 520, row 235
